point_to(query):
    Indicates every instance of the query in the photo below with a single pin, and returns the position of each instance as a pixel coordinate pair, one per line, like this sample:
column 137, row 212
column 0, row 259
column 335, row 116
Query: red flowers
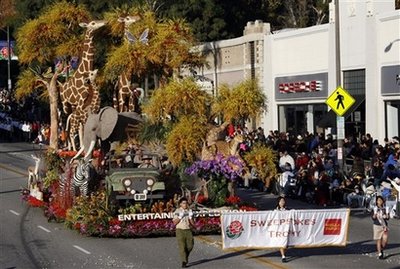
column 72, row 153
column 114, row 221
column 66, row 153
column 32, row 201
column 247, row 208
column 233, row 200
column 201, row 199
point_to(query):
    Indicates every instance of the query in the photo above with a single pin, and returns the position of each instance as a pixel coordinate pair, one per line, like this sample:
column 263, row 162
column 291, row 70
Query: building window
column 392, row 116
column 354, row 83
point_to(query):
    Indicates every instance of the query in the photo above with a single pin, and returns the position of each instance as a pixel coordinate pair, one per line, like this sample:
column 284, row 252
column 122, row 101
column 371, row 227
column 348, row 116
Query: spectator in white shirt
column 285, row 158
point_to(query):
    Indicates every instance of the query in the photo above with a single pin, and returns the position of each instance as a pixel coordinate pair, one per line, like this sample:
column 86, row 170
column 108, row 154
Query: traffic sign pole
column 340, row 136
column 340, row 101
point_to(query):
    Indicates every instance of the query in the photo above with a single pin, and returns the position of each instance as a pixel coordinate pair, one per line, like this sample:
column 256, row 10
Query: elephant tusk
column 89, row 151
column 78, row 153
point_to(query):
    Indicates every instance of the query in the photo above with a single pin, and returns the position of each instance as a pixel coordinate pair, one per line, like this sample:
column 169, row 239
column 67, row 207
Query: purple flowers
column 230, row 168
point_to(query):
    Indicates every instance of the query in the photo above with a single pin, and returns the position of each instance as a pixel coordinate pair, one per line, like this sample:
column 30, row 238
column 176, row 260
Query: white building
column 297, row 69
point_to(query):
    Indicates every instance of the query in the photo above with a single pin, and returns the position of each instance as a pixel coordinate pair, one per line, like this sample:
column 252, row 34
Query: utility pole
column 8, row 59
column 340, row 125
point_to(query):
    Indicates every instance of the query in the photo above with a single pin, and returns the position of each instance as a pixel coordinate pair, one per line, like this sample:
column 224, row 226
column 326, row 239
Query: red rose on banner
column 234, row 230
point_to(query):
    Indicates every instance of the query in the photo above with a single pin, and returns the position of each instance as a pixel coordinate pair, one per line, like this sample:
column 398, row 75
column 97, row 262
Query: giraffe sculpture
column 78, row 117
column 125, row 90
column 75, row 91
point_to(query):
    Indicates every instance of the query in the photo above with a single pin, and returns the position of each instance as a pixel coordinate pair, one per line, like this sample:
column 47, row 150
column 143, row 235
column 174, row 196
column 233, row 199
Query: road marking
column 257, row 258
column 15, row 213
column 82, row 249
column 44, row 229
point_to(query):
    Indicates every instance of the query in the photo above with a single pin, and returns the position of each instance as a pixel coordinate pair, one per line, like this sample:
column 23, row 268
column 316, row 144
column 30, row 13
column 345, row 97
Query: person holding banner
column 183, row 218
column 380, row 217
column 281, row 206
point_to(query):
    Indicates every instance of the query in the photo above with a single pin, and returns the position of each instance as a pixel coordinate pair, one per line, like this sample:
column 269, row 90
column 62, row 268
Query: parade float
column 95, row 184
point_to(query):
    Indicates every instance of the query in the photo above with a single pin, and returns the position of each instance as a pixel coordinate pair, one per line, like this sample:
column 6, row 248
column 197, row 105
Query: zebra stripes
column 80, row 179
column 82, row 176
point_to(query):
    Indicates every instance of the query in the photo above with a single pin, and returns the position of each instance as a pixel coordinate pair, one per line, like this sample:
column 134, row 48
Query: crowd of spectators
column 21, row 121
column 13, row 130
column 308, row 168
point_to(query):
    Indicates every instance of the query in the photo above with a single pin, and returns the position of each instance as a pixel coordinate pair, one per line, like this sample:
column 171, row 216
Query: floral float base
column 88, row 217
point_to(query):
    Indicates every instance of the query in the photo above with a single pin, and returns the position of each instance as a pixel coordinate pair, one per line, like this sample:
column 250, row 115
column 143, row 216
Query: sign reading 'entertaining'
column 275, row 229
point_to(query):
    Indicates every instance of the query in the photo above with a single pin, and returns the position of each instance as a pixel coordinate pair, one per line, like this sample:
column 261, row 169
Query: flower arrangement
column 55, row 212
column 32, row 201
column 221, row 171
column 230, row 168
column 72, row 153
column 90, row 215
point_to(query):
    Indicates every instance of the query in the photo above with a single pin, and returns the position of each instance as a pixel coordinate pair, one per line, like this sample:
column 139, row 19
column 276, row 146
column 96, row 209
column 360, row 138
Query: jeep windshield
column 136, row 161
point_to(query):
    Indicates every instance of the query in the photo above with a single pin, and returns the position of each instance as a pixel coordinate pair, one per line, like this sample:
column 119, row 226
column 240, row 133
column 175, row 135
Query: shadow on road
column 362, row 247
column 221, row 257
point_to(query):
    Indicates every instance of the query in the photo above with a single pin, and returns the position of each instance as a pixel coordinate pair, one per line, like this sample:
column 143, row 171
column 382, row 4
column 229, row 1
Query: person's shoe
column 381, row 257
column 284, row 260
column 184, row 264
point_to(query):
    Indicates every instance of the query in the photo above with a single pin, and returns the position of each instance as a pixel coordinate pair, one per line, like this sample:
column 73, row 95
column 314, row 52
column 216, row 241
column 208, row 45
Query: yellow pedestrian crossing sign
column 340, row 101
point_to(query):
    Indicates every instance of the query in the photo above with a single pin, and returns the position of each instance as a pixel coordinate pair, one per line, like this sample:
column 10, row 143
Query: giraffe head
column 91, row 77
column 128, row 20
column 93, row 25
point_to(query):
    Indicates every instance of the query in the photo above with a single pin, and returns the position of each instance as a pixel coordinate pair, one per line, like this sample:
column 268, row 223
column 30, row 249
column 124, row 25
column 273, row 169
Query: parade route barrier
column 290, row 228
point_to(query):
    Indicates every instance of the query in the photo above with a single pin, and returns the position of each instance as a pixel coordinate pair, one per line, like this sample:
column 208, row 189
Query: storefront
column 295, row 117
column 391, row 93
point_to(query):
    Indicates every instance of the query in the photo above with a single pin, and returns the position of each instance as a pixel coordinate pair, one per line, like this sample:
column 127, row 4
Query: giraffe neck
column 123, row 80
column 86, row 63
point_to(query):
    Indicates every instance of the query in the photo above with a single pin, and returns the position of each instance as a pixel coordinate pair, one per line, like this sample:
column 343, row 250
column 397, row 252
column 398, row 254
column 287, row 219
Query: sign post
column 340, row 101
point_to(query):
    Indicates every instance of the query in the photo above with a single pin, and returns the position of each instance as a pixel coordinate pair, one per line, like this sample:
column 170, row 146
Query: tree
column 241, row 102
column 163, row 105
column 263, row 159
column 165, row 49
column 7, row 11
column 191, row 112
column 219, row 19
column 54, row 34
column 185, row 106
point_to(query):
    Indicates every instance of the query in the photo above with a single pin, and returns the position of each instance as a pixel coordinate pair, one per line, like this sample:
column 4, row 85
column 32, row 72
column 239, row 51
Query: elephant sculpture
column 108, row 126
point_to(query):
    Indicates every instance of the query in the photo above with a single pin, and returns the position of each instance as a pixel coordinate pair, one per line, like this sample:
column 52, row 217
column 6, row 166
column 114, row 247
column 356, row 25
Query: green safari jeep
column 135, row 178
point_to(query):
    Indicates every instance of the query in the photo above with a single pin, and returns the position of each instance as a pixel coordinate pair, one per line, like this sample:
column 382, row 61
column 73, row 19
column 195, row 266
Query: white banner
column 294, row 228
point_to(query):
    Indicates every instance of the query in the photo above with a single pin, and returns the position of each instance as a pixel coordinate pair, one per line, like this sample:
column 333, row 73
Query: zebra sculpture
column 81, row 178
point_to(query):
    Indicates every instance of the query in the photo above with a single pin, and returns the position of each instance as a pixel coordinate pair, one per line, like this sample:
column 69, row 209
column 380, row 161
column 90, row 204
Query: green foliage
column 53, row 160
column 185, row 140
column 53, row 34
column 53, row 164
column 218, row 19
column 241, row 102
column 26, row 82
column 153, row 131
column 263, row 158
column 89, row 212
column 51, row 177
column 218, row 191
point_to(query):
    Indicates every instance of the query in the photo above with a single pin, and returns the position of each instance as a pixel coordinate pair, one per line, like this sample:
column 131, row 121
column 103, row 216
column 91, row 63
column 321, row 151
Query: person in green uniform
column 183, row 218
